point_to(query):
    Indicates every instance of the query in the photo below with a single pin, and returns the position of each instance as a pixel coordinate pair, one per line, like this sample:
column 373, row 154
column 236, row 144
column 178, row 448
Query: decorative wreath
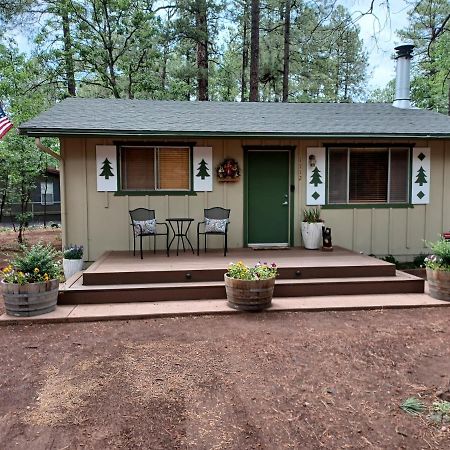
column 228, row 169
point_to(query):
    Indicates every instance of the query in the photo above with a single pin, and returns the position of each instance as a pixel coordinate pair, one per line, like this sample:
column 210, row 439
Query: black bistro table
column 182, row 225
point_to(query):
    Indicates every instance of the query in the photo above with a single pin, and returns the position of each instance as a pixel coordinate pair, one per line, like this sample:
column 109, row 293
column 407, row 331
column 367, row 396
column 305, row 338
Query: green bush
column 419, row 260
column 311, row 215
column 391, row 259
column 37, row 263
column 240, row 271
column 440, row 259
column 73, row 251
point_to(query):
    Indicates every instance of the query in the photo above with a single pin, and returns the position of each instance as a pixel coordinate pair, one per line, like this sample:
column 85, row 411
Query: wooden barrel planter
column 249, row 295
column 30, row 299
column 439, row 284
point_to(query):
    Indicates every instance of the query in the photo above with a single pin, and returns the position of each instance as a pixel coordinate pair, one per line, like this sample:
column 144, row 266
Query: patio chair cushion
column 146, row 227
column 215, row 225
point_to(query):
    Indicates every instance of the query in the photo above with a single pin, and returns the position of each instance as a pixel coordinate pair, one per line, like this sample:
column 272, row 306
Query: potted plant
column 312, row 228
column 250, row 288
column 438, row 269
column 31, row 280
column 72, row 260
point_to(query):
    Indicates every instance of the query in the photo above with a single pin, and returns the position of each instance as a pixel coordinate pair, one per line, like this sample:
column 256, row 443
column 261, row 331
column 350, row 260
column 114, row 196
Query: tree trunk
column 24, row 200
column 68, row 56
column 287, row 36
column 254, row 52
column 244, row 54
column 3, row 204
column 4, row 196
column 201, row 23
column 163, row 70
column 188, row 77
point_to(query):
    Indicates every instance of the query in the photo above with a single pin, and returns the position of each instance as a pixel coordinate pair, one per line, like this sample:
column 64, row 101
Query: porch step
column 92, row 277
column 77, row 292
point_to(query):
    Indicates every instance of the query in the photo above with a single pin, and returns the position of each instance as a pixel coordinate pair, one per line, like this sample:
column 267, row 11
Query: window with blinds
column 368, row 175
column 155, row 168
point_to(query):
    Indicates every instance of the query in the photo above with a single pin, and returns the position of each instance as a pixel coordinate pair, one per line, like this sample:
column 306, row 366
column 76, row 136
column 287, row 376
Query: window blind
column 173, row 168
column 399, row 176
column 337, row 175
column 138, row 172
column 368, row 176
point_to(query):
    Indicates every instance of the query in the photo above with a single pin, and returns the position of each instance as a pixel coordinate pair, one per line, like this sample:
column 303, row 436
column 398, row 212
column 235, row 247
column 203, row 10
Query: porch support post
column 60, row 159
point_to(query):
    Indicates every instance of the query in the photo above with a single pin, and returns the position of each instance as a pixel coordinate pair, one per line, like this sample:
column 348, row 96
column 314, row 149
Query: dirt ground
column 251, row 381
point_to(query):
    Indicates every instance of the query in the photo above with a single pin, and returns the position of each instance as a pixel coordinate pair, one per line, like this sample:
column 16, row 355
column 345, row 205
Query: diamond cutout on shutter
column 315, row 196
column 421, row 195
column 421, row 156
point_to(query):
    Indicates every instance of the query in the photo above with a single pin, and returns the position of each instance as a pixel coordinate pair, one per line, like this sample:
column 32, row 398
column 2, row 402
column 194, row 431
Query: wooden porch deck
column 121, row 277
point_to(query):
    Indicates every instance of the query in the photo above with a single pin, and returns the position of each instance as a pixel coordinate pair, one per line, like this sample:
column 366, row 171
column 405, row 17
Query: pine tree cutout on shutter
column 201, row 167
column 420, row 180
column 106, row 163
column 315, row 176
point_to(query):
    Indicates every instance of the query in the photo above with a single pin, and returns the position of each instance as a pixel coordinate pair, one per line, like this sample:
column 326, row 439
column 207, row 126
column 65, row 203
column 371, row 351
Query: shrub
column 73, row 251
column 419, row 260
column 412, row 406
column 261, row 271
column 37, row 263
column 391, row 259
column 311, row 215
column 440, row 259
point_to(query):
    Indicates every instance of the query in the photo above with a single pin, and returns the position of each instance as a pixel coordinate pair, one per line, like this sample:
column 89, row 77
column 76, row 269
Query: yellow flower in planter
column 36, row 270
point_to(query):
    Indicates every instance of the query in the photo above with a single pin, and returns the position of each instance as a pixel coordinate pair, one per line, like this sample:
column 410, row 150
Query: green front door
column 267, row 206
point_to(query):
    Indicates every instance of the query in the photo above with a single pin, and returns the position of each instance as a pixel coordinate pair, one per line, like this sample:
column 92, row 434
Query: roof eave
column 57, row 132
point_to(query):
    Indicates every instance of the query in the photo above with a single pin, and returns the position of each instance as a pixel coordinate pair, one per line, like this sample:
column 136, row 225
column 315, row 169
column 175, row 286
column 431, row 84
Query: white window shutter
column 420, row 176
column 315, row 176
column 202, row 167
column 106, row 163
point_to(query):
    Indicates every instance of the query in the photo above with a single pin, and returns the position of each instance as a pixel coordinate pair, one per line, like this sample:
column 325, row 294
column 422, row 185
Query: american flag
column 5, row 123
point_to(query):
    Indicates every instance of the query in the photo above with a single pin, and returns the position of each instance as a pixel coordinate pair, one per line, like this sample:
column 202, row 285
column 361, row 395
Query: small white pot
column 71, row 267
column 312, row 235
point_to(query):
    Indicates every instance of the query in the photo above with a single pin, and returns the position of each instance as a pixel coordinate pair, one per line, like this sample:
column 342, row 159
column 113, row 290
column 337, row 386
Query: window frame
column 356, row 205
column 154, row 192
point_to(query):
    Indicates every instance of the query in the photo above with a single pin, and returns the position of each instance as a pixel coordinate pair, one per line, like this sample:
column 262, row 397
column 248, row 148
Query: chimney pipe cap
column 404, row 50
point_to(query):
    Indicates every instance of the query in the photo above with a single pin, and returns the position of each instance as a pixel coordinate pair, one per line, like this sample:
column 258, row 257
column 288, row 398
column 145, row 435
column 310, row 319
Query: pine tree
column 316, row 178
column 106, row 169
column 203, row 169
column 421, row 177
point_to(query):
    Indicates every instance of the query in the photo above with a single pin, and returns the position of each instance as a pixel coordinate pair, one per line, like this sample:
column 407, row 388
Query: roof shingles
column 77, row 116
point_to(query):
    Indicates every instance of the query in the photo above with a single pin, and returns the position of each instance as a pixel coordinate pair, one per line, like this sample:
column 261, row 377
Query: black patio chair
column 139, row 229
column 216, row 213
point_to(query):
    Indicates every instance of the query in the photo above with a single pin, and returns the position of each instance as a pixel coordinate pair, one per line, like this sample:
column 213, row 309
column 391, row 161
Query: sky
column 378, row 34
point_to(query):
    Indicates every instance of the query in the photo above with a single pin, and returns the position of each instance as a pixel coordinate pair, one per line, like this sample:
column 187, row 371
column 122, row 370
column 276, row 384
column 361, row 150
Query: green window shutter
column 420, row 176
column 315, row 176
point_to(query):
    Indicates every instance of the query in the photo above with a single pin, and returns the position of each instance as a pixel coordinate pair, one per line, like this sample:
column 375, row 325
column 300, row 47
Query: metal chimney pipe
column 402, row 81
